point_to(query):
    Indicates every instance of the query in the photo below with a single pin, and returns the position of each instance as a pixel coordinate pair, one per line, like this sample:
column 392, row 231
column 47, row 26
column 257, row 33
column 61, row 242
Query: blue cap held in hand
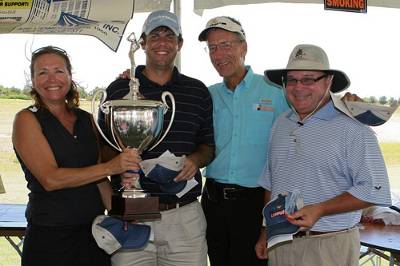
column 164, row 177
column 111, row 234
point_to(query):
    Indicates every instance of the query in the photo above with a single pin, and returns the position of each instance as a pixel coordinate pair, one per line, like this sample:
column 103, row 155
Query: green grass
column 10, row 170
column 8, row 256
column 15, row 184
column 391, row 152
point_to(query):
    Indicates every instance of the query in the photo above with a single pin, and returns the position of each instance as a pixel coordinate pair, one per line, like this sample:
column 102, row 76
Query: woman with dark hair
column 58, row 149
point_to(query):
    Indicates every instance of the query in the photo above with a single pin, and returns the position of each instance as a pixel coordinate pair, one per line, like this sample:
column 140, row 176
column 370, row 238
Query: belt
column 176, row 205
column 221, row 191
column 301, row 234
column 309, row 233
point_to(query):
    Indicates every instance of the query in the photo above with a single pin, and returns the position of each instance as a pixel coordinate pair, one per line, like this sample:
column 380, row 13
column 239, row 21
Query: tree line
column 16, row 93
column 24, row 94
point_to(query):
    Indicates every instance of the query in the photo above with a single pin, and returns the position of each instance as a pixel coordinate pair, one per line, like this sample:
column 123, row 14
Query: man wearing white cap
column 179, row 237
column 332, row 159
column 245, row 107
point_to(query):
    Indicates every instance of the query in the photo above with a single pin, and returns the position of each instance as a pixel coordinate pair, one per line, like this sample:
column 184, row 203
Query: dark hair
column 72, row 96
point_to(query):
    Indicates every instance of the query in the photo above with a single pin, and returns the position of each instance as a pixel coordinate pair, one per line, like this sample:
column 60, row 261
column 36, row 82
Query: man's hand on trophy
column 129, row 180
column 125, row 75
column 127, row 160
column 189, row 170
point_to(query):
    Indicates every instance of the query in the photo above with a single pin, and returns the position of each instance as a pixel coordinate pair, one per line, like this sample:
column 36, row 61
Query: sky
column 365, row 46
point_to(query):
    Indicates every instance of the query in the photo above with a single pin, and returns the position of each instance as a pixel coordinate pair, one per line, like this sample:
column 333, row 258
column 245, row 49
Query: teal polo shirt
column 242, row 122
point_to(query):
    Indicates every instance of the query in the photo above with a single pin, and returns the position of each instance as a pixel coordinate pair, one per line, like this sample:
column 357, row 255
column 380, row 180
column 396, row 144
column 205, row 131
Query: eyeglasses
column 224, row 46
column 303, row 81
column 49, row 49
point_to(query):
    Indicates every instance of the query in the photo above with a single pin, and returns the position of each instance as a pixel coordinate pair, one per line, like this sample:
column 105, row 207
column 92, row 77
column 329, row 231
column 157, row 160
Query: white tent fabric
column 150, row 5
column 200, row 5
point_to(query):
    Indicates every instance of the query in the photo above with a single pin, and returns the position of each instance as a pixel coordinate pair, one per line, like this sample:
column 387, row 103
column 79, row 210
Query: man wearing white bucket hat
column 332, row 159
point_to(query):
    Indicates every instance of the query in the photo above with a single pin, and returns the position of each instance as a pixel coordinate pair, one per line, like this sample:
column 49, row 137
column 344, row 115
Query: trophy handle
column 105, row 110
column 171, row 97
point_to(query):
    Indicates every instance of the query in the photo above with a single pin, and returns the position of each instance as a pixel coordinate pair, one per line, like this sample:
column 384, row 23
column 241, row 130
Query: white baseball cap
column 225, row 23
column 370, row 114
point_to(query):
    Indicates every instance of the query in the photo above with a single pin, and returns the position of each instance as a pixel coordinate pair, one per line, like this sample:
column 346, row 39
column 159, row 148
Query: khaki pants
column 179, row 239
column 335, row 249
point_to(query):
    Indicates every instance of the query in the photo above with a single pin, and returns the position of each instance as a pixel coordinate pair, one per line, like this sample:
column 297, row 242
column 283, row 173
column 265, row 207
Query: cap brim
column 104, row 239
column 284, row 227
column 274, row 76
column 110, row 234
column 369, row 118
column 203, row 35
column 277, row 225
column 138, row 236
column 369, row 113
column 340, row 80
column 161, row 174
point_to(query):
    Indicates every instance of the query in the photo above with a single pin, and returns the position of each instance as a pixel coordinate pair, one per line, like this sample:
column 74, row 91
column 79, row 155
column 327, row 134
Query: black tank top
column 72, row 206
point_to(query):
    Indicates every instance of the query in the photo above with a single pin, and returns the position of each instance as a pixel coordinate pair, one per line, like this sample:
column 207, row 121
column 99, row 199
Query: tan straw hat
column 313, row 58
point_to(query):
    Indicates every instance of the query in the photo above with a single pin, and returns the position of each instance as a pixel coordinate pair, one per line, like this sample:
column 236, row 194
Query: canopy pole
column 178, row 13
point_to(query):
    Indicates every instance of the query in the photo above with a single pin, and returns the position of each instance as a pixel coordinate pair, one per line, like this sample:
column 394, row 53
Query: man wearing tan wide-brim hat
column 310, row 57
column 333, row 160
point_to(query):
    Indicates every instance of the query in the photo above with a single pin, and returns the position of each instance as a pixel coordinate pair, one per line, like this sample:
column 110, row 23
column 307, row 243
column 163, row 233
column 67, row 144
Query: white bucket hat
column 313, row 58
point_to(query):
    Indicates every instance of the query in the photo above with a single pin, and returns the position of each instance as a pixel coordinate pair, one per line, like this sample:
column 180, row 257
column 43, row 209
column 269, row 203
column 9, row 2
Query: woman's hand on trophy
column 127, row 160
column 188, row 171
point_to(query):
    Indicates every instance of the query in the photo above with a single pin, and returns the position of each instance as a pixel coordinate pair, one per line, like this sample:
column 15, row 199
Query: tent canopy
column 150, row 5
column 200, row 5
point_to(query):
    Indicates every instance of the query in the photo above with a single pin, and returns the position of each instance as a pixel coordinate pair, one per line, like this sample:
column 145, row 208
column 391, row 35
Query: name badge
column 262, row 107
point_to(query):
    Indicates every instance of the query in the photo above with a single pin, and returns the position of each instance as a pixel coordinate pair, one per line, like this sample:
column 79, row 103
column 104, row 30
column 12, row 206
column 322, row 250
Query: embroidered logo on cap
column 300, row 54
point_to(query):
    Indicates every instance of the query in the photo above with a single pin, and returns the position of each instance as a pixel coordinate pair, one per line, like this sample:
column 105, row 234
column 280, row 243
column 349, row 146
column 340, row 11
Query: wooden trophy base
column 137, row 209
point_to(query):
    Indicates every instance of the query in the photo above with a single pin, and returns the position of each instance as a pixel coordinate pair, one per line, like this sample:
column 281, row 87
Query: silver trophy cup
column 133, row 122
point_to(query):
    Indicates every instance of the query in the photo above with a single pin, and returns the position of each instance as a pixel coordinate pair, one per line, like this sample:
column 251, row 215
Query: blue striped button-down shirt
column 327, row 156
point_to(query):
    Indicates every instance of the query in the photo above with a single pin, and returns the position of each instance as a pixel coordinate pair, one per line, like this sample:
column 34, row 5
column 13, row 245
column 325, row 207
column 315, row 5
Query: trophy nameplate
column 134, row 122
